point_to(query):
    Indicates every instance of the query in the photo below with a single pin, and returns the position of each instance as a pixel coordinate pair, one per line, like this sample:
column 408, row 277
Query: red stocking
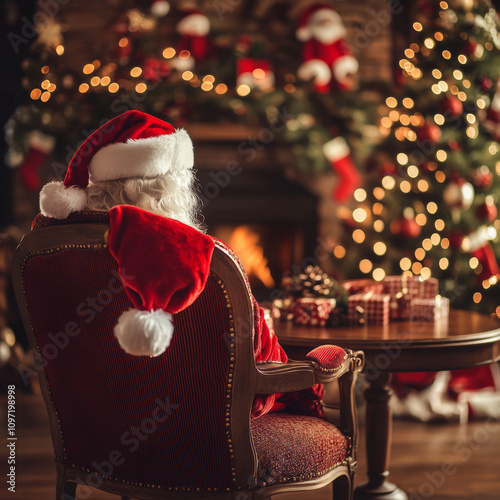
column 40, row 147
column 338, row 153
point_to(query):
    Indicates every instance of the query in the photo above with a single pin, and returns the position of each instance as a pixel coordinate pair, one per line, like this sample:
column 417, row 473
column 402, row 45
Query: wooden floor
column 449, row 461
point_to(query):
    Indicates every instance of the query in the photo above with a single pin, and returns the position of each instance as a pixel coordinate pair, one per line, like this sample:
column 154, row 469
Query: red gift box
column 312, row 311
column 369, row 308
column 434, row 309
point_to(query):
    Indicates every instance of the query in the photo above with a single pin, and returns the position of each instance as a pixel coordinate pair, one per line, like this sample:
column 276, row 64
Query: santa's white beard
column 327, row 34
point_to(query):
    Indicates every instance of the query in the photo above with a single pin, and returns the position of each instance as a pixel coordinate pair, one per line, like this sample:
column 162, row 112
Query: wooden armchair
column 178, row 425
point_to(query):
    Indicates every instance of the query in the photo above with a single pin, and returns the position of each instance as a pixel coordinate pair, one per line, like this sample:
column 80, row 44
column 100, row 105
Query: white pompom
column 58, row 201
column 144, row 333
column 160, row 8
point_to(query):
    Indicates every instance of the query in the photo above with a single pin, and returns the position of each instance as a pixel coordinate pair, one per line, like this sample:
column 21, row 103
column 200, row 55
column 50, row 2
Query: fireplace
column 268, row 220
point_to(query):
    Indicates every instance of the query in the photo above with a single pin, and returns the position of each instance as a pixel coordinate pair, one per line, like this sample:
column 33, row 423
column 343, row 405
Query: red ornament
column 487, row 210
column 454, row 145
column 451, row 107
column 455, row 238
column 485, row 83
column 429, row 132
column 407, row 227
column 482, row 177
column 155, row 69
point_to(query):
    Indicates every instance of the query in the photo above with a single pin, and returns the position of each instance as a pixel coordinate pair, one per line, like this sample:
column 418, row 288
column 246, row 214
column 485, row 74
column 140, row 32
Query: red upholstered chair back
column 164, row 421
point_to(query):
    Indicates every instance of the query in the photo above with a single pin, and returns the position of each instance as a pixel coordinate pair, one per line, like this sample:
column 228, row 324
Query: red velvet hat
column 133, row 144
column 164, row 265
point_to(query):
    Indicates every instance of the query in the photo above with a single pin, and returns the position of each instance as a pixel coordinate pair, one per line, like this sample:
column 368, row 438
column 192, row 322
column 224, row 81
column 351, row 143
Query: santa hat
column 313, row 14
column 133, row 144
column 164, row 266
column 193, row 22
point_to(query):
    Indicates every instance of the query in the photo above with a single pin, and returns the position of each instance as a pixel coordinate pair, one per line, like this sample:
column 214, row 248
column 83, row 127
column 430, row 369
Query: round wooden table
column 464, row 340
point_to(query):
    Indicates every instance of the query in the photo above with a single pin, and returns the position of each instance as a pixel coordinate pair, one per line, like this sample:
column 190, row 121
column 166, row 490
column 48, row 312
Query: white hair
column 165, row 195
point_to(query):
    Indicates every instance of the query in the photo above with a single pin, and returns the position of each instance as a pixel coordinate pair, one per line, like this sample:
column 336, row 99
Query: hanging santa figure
column 195, row 44
column 327, row 60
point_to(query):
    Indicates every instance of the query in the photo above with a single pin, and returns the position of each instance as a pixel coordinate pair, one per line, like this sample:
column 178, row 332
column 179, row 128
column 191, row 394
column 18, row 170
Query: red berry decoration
column 482, row 177
column 451, row 107
column 429, row 132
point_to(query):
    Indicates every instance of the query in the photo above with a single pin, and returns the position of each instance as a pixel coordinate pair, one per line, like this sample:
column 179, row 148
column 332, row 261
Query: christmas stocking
column 481, row 248
column 339, row 155
column 40, row 146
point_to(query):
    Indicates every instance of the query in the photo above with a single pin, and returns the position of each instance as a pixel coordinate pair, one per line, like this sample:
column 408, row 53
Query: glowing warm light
column 409, row 53
column 421, row 219
column 113, row 87
column 462, row 96
column 427, row 244
column 135, row 72
column 168, row 53
column 386, row 122
column 394, row 115
column 417, row 27
column 445, row 243
column 206, row 86
column 432, row 207
column 477, row 297
column 429, row 43
column 423, row 185
column 243, row 90
column 221, row 88
column 45, row 96
column 88, row 68
column 462, row 59
column 378, row 208
column 60, row 50
column 45, row 70
column 416, row 74
column 360, row 195
column 405, row 264
column 446, row 54
column 488, row 46
column 436, row 74
column 359, row 215
column 184, row 54
column 439, row 119
column 443, row 5
column 123, row 42
column 439, row 225
column 209, row 78
column 439, row 36
column 405, row 120
column 435, row 238
column 379, row 248
column 391, row 102
column 378, row 226
column 413, row 171
column 408, row 103
column 481, row 104
column 474, row 262
column 388, row 182
column 441, row 155
column 358, row 236
column 378, row 274
column 402, row 159
column 258, row 73
column 378, row 193
column 365, row 266
column 443, row 263
column 35, row 94
column 83, row 88
column 140, row 88
column 416, row 267
column 94, row 81
column 105, row 81
column 440, row 176
column 289, row 88
column 405, row 187
column 187, row 75
column 443, row 86
column 339, row 252
column 45, row 84
column 493, row 149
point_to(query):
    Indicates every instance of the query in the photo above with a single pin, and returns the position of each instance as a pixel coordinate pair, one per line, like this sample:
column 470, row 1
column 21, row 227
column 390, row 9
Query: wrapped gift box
column 312, row 311
column 369, row 308
column 400, row 306
column 433, row 309
column 363, row 286
column 411, row 285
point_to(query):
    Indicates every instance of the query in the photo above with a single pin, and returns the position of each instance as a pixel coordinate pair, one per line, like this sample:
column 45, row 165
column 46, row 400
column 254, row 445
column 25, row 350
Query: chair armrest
column 319, row 367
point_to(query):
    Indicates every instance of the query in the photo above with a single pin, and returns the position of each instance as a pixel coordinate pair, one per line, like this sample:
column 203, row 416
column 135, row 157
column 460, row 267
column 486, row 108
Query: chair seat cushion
column 293, row 448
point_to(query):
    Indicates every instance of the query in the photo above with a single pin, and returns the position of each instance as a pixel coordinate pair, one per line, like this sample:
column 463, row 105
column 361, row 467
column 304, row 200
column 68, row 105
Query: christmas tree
column 429, row 206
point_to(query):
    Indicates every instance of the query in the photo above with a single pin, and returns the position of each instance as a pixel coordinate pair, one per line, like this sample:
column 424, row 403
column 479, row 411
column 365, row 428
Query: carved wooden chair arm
column 322, row 365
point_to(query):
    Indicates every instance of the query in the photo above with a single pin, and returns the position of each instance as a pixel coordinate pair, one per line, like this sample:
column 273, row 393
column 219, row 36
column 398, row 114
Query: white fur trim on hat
column 149, row 157
column 58, row 201
column 144, row 333
column 336, row 149
column 160, row 8
column 343, row 66
column 315, row 69
column 195, row 24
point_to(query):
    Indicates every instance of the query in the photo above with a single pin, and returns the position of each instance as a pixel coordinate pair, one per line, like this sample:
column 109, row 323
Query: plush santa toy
column 194, row 45
column 327, row 59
